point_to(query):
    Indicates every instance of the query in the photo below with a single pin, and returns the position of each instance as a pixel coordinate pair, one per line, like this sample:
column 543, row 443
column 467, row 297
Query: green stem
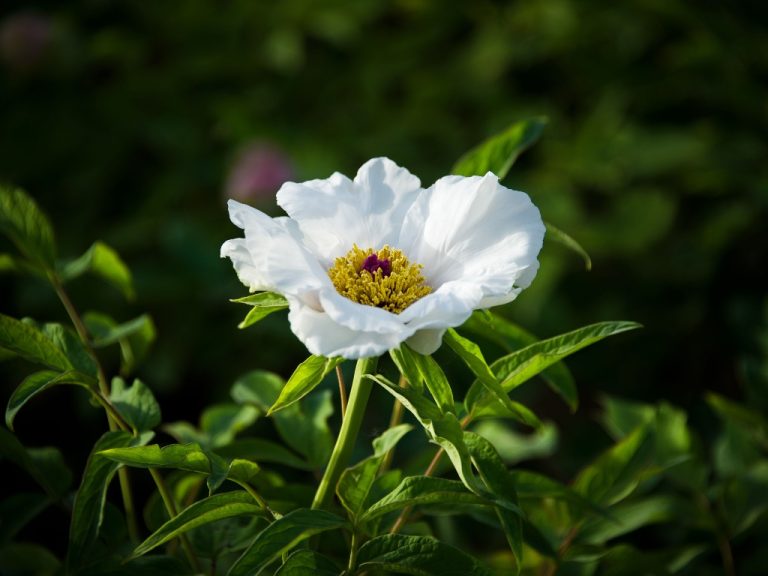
column 170, row 507
column 350, row 426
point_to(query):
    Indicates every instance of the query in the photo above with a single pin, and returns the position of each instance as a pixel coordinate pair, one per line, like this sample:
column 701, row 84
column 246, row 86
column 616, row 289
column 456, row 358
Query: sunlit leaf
column 304, row 379
column 512, row 337
column 28, row 227
column 211, row 509
column 498, row 153
column 31, row 344
column 442, row 428
column 282, row 536
column 516, row 368
column 423, row 491
column 102, row 260
column 262, row 305
column 429, row 372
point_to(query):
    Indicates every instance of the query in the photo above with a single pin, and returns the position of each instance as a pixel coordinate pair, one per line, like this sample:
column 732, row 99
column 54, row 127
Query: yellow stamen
column 394, row 286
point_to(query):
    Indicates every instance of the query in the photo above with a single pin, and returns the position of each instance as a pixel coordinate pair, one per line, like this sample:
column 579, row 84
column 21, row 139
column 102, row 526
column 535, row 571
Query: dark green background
column 123, row 120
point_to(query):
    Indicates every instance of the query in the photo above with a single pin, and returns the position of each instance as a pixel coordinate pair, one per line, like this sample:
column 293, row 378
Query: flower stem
column 350, row 426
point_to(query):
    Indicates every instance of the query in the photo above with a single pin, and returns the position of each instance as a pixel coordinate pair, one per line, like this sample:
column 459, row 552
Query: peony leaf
column 282, row 536
column 518, row 367
column 496, row 477
column 355, row 483
column 88, row 507
column 189, row 457
column 420, row 368
column 38, row 382
column 511, row 338
column 498, row 153
column 211, row 509
column 27, row 227
column 102, row 260
column 263, row 304
column 307, row 562
column 136, row 404
column 557, row 235
column 442, row 428
column 307, row 376
column 420, row 555
column 423, row 491
column 31, row 344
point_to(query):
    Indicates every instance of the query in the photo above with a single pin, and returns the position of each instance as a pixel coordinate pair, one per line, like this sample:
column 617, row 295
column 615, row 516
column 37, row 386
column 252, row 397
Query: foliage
column 258, row 454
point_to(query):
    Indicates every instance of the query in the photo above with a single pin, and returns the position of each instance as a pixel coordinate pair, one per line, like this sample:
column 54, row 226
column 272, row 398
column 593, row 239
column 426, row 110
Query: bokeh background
column 132, row 122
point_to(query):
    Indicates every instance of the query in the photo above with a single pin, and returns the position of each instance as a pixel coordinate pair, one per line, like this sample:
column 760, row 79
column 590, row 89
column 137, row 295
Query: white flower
column 423, row 260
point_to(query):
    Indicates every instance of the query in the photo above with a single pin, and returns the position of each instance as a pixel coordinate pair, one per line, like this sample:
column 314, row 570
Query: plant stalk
column 350, row 426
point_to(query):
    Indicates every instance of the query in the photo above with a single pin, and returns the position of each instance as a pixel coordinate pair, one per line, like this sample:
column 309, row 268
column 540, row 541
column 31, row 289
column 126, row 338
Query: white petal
column 336, row 213
column 450, row 305
column 247, row 272
column 322, row 336
column 361, row 317
column 426, row 341
column 272, row 256
column 474, row 230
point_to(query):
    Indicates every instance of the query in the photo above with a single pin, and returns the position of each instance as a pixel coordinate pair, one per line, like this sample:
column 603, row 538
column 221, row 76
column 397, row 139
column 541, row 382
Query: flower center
column 384, row 279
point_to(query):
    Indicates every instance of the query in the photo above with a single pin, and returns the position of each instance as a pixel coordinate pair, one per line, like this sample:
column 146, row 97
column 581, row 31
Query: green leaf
column 261, row 450
column 617, row 471
column 557, row 235
column 66, row 340
column 496, row 477
column 211, row 509
column 355, row 483
column 470, row 353
column 136, row 404
column 103, row 261
column 511, row 338
column 263, row 304
column 88, row 507
column 516, row 368
column 302, row 425
column 304, row 379
column 45, row 465
column 498, row 153
column 220, row 423
column 442, row 428
column 430, row 373
column 750, row 421
column 107, row 332
column 417, row 555
column 514, row 447
column 27, row 227
column 308, row 563
column 189, row 457
column 31, row 344
column 38, row 382
column 533, row 486
column 281, row 536
column 423, row 491
column 404, row 359
column 629, row 516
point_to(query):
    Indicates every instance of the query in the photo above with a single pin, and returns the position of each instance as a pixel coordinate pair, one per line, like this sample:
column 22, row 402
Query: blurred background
column 133, row 122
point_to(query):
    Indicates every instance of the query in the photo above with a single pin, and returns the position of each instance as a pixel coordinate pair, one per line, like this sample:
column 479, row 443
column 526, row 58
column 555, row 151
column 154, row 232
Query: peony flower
column 369, row 263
